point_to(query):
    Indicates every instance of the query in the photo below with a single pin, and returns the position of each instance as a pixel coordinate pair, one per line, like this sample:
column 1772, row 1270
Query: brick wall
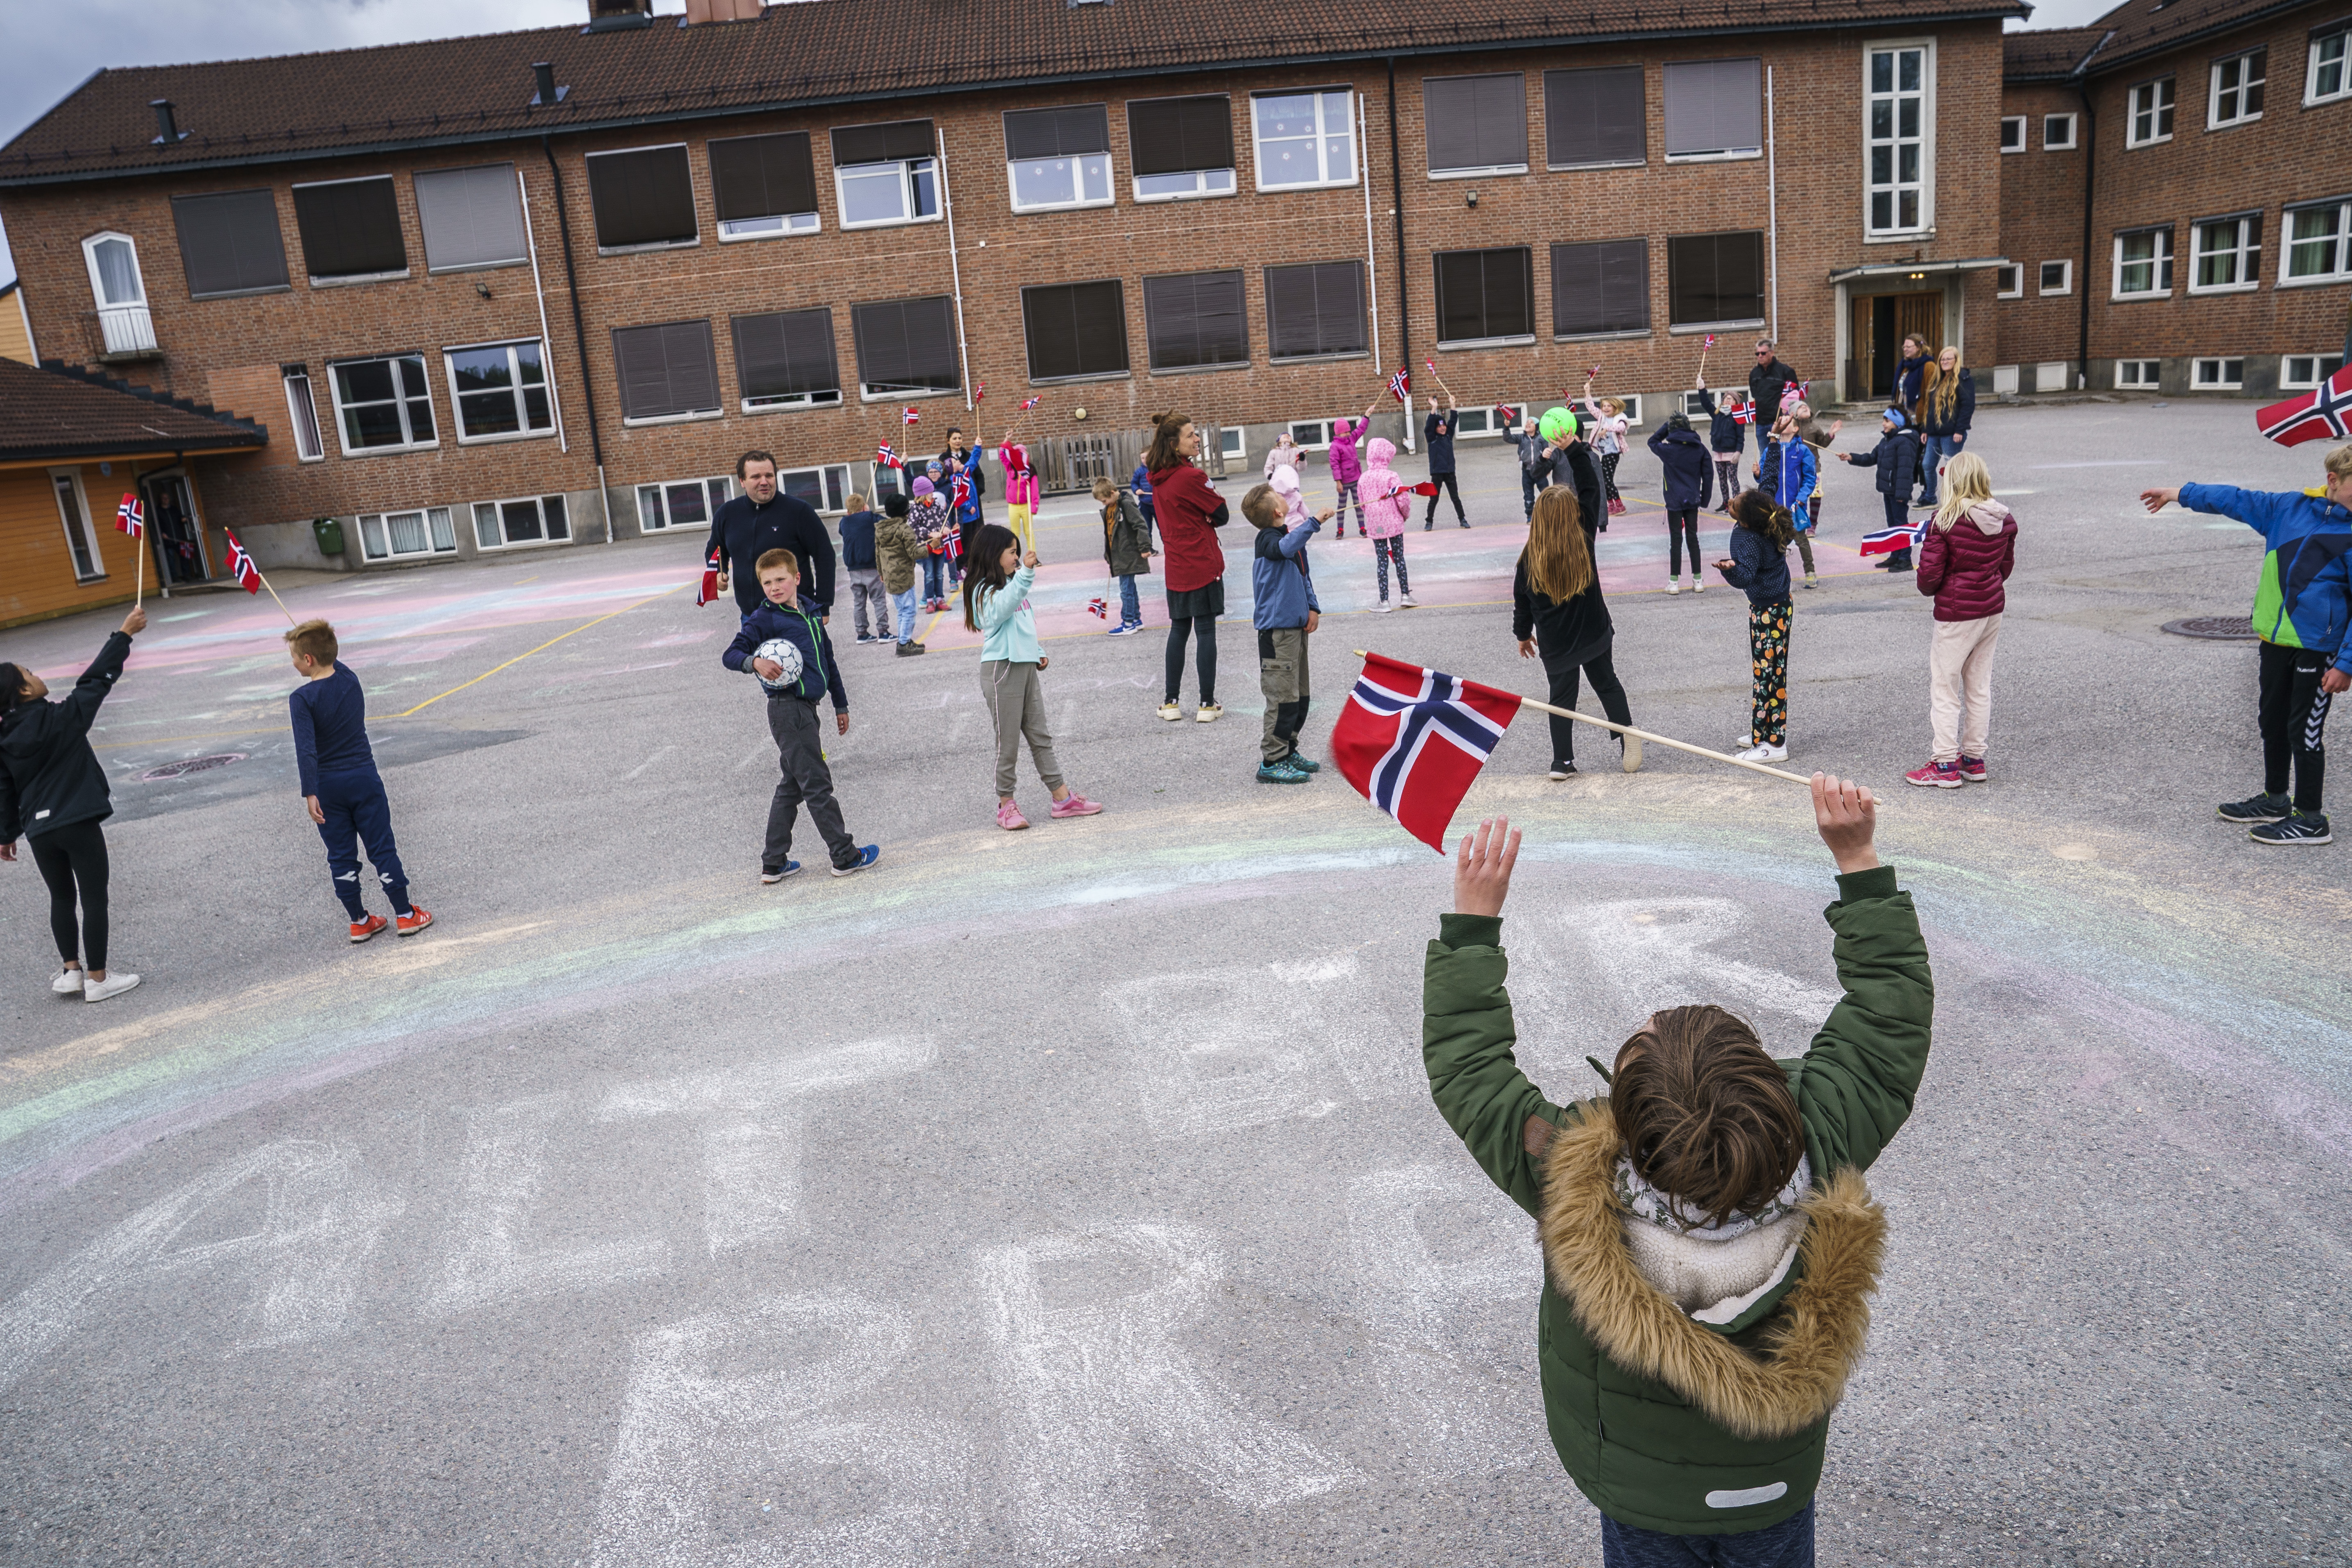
column 2042, row 220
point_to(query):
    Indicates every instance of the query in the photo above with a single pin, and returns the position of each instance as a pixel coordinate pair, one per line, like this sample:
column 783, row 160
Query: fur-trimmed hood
column 1804, row 1351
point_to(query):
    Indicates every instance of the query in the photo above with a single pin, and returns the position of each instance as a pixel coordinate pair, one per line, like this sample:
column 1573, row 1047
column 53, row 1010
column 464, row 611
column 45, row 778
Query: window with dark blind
column 350, row 228
column 1715, row 108
column 643, row 197
column 1194, row 320
column 1716, row 279
column 471, row 218
column 855, row 144
column 230, row 243
column 1484, row 295
column 1475, row 125
column 667, row 372
column 764, row 184
column 785, row 359
column 1074, row 328
column 1603, row 286
column 1595, row 119
column 1181, row 146
column 1315, row 309
column 905, row 346
column 1058, row 157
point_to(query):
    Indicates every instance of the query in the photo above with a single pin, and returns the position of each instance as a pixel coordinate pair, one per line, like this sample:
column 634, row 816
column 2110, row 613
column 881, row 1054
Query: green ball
column 1558, row 425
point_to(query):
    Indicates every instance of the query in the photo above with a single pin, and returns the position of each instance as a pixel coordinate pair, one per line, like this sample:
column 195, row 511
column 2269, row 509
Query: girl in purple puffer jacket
column 1966, row 555
column 1345, row 472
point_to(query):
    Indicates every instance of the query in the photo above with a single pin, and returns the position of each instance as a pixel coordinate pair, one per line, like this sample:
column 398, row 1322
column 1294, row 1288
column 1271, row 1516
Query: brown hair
column 1759, row 513
column 1106, row 490
column 1707, row 1115
column 1265, row 506
column 315, row 638
column 751, row 457
column 1559, row 556
column 1162, row 453
column 773, row 558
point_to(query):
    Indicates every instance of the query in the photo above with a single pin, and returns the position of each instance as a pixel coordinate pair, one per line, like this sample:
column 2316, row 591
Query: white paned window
column 2013, row 133
column 2300, row 372
column 2144, row 264
column 825, row 488
column 2151, row 114
column 681, row 504
column 906, row 190
column 1042, row 184
column 2217, row 375
column 533, row 519
column 2228, row 255
column 387, row 535
column 2329, row 73
column 302, row 414
column 2057, row 132
column 2319, row 243
column 1305, row 139
column 2008, row 282
column 1233, row 441
column 120, row 292
column 81, row 538
column 2139, row 373
column 500, row 391
column 2236, row 95
column 1190, row 183
column 383, row 404
column 1897, row 109
column 2057, row 278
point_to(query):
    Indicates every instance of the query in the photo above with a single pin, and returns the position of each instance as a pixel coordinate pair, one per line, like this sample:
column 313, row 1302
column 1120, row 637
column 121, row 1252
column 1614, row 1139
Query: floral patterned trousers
column 1768, row 653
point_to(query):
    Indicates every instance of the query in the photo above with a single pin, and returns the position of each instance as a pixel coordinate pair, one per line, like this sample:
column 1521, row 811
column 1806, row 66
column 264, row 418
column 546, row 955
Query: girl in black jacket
column 1761, row 532
column 52, row 791
column 1684, row 459
column 1558, row 612
column 1946, row 408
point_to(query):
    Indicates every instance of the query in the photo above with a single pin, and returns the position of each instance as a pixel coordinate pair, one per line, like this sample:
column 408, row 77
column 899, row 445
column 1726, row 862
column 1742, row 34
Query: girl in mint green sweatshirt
column 996, row 606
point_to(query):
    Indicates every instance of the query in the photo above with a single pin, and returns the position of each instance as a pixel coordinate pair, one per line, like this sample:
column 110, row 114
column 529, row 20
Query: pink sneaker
column 1935, row 775
column 1009, row 817
column 1076, row 806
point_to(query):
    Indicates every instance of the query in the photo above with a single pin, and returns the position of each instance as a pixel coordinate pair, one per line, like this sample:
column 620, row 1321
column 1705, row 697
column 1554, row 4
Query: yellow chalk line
column 542, row 647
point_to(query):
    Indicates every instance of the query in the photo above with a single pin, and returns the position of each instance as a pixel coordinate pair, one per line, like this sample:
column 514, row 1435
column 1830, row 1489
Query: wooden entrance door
column 1862, row 350
column 1920, row 315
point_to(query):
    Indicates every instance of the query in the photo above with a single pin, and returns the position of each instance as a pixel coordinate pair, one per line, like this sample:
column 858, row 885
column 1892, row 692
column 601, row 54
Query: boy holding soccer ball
column 784, row 645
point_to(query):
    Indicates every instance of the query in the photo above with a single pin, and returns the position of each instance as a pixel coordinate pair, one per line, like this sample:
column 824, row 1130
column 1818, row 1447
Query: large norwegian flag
column 708, row 589
column 1411, row 741
column 2322, row 413
column 131, row 518
column 241, row 566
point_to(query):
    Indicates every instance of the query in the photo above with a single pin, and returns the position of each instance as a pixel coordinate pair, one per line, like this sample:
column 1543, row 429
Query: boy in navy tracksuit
column 340, row 784
column 1727, row 438
column 783, row 614
column 1285, row 611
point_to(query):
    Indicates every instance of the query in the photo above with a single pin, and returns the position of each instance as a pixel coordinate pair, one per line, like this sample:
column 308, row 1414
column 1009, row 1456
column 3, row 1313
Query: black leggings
column 2293, row 712
column 1605, row 685
column 1445, row 483
column 1204, row 629
column 70, row 858
column 1608, row 473
column 1681, row 523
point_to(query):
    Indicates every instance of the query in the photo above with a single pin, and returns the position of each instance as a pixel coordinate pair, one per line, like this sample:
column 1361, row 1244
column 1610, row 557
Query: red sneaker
column 362, row 929
column 417, row 918
column 1973, row 769
column 1936, row 775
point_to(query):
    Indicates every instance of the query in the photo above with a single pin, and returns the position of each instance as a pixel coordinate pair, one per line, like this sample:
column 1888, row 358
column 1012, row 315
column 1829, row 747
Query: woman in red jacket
column 1193, row 565
column 1966, row 555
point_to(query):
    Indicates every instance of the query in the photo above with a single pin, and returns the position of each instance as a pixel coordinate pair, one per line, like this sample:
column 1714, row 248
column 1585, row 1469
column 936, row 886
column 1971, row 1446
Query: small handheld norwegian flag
column 1710, row 341
column 962, row 497
column 1744, row 415
column 241, row 566
column 980, row 394
column 1411, row 741
column 1400, row 384
column 2322, row 413
column 913, row 415
column 708, row 589
column 1098, row 609
column 131, row 518
column 1030, row 403
column 888, row 455
column 1887, row 541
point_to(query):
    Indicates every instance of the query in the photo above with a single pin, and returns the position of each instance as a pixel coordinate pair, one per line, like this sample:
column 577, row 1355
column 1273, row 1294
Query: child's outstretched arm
column 1862, row 1073
column 1467, row 1031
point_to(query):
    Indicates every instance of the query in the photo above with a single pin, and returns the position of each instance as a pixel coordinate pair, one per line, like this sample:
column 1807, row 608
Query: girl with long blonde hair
column 1965, row 555
column 1558, row 614
column 1947, row 406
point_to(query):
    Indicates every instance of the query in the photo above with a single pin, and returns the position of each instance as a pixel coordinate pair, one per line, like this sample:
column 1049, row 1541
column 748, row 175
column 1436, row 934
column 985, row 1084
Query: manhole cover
column 2214, row 629
column 187, row 765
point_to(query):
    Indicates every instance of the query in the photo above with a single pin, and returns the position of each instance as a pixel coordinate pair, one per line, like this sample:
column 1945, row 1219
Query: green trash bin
column 328, row 532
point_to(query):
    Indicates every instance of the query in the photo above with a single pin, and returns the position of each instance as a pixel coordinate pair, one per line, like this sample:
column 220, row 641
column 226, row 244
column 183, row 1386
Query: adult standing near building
column 1948, row 404
column 1910, row 381
column 959, row 455
column 763, row 519
column 1767, row 383
column 1190, row 514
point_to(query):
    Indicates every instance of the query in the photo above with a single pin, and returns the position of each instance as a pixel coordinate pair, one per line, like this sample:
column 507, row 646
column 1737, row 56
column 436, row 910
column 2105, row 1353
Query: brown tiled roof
column 57, row 413
column 2139, row 28
column 824, row 51
column 2047, row 55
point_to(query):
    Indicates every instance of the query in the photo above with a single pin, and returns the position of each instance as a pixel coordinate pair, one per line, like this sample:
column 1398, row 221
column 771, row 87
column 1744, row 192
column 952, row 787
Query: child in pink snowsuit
column 1382, row 499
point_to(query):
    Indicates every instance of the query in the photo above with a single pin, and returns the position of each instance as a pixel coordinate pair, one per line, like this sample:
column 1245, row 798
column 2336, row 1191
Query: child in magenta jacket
column 1346, row 471
column 1384, row 499
column 1966, row 555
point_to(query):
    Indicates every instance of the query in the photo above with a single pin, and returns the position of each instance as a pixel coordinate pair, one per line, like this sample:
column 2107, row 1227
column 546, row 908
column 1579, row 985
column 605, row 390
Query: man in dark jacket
column 1896, row 458
column 1768, row 382
column 763, row 519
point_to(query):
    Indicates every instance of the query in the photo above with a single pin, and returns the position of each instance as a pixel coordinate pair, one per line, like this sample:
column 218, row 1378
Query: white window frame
column 1489, row 428
column 2017, row 120
column 777, row 225
column 96, row 286
column 375, row 545
column 2247, row 250
column 61, row 482
column 2065, row 279
column 302, row 414
column 2221, row 381
column 1310, row 435
column 2065, row 146
column 514, row 369
column 2163, row 87
column 832, row 480
column 2153, row 367
column 2293, row 380
column 342, row 436
column 2213, row 91
column 346, row 280
column 1925, row 185
column 908, row 168
column 1202, row 189
column 125, row 326
column 1233, row 443
column 2314, row 61
column 651, row 245
column 1323, row 134
column 498, row 511
column 1111, row 185
column 2008, row 280
column 2342, row 240
column 718, row 489
column 2157, row 267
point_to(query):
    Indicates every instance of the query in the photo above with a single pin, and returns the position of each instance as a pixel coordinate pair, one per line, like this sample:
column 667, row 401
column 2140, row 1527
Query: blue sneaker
column 1303, row 763
column 778, row 873
column 1279, row 772
column 866, row 856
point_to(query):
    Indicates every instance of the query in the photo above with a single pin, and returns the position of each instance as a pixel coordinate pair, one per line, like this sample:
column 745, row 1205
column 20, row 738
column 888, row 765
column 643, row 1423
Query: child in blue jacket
column 1787, row 470
column 341, row 787
column 1285, row 613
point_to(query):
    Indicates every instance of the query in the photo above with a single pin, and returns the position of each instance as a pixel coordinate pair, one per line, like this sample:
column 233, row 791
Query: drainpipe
column 2089, row 142
column 579, row 334
column 530, row 242
column 1396, row 193
column 955, row 277
column 1372, row 244
column 1772, row 204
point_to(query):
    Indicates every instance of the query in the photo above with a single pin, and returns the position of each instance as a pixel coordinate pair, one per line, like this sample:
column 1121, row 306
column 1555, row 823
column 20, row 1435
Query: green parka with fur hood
column 1706, row 1410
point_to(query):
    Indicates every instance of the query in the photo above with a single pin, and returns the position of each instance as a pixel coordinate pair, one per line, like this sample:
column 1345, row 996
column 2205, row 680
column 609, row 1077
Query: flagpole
column 139, row 572
column 1646, row 735
column 281, row 603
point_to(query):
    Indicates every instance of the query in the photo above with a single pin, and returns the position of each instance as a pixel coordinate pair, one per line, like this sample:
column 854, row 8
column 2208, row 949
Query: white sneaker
column 1404, row 601
column 1632, row 760
column 112, row 985
column 1383, row 607
column 1674, row 584
column 1765, row 754
column 67, row 983
column 1698, row 583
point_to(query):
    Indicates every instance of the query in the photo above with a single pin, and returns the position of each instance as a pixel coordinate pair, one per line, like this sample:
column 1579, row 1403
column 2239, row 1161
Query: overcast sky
column 51, row 47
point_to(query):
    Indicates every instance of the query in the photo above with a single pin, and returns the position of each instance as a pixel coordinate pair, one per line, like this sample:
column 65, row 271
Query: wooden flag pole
column 1659, row 740
column 289, row 615
column 139, row 572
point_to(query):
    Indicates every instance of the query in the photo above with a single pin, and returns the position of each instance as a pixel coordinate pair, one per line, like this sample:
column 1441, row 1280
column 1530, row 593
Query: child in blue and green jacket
column 1787, row 471
column 996, row 604
column 2302, row 607
column 1284, row 610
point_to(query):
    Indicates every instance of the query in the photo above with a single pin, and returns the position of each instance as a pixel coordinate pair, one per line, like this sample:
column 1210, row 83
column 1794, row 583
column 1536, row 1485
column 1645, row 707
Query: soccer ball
column 1556, row 425
column 785, row 655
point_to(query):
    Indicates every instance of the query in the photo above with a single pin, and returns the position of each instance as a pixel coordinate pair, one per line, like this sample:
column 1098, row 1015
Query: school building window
column 2300, row 372
column 120, row 292
column 666, row 371
column 2151, row 114
column 1305, row 139
column 2013, row 133
column 500, row 391
column 886, row 173
column 763, row 187
column 1485, row 297
column 81, row 539
column 387, row 534
column 682, row 503
column 2217, row 375
column 472, row 218
column 1058, row 157
column 1316, row 311
column 904, row 347
column 2057, row 132
column 2008, row 282
column 1194, row 321
column 1715, row 281
column 1595, row 119
column 1074, row 329
column 1715, row 108
column 784, row 359
column 303, row 412
column 1181, row 146
column 2328, row 74
column 2229, row 252
column 1475, row 125
column 2319, row 242
column 383, row 404
column 644, row 199
column 1899, row 97
column 351, row 230
column 2144, row 264
column 533, row 519
column 1600, row 288
column 825, row 488
column 2144, row 373
column 2235, row 96
column 2057, row 278
column 230, row 244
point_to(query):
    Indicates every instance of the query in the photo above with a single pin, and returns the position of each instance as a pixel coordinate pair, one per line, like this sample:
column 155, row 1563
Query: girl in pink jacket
column 1346, row 471
column 1382, row 501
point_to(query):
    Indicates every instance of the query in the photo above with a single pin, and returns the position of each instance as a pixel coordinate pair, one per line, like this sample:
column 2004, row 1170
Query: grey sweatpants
column 1016, row 706
column 1282, row 681
column 866, row 587
column 806, row 781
